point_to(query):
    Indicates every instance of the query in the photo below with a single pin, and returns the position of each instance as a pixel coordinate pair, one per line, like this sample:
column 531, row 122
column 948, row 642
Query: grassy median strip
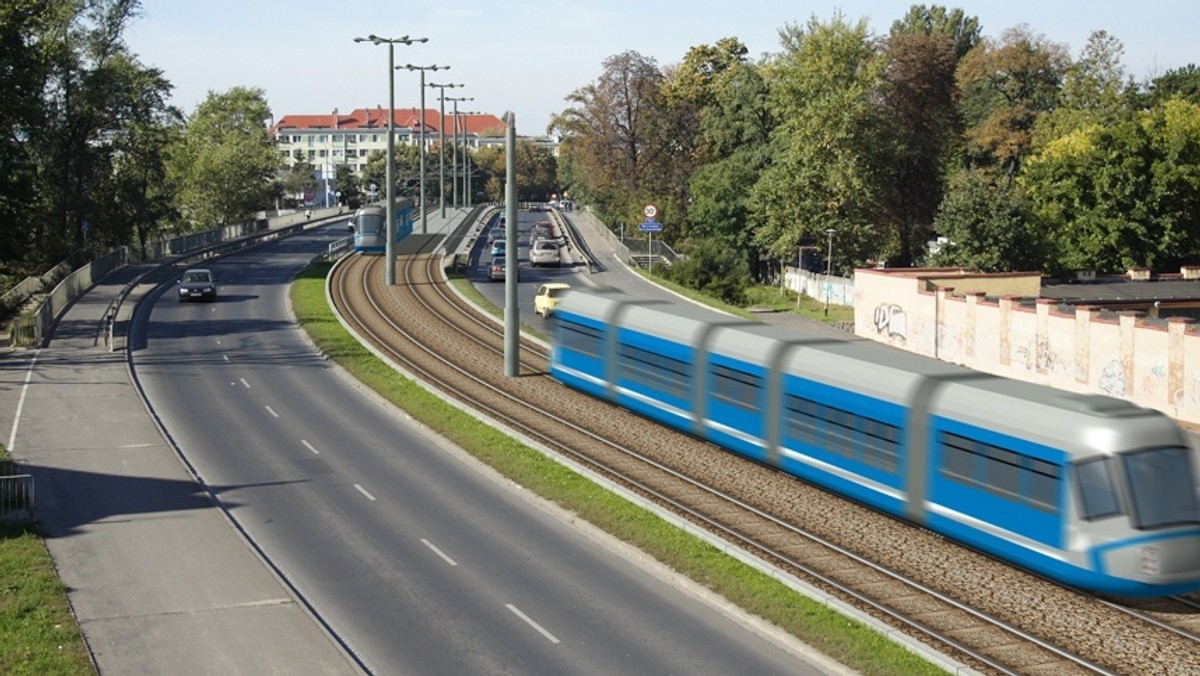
column 842, row 639
column 38, row 632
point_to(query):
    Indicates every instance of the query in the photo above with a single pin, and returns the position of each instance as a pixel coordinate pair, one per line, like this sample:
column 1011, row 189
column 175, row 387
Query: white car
column 545, row 252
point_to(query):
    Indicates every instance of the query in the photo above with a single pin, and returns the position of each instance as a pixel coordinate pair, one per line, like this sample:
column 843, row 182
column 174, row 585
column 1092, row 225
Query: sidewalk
column 158, row 577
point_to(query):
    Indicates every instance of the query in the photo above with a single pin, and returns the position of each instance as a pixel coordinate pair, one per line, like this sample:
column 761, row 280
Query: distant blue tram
column 369, row 225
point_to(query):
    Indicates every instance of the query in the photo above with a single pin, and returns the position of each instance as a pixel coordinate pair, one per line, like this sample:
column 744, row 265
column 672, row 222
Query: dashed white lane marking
column 245, row 383
column 272, row 411
column 439, row 552
column 516, row 611
column 364, row 492
column 225, row 357
column 310, row 447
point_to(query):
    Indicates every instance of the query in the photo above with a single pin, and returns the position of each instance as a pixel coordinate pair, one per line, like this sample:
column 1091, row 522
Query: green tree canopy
column 823, row 90
column 988, row 226
column 225, row 161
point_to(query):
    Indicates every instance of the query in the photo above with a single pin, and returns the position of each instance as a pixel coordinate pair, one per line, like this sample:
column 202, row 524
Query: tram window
column 870, row 441
column 654, row 370
column 583, row 339
column 1096, row 489
column 736, row 388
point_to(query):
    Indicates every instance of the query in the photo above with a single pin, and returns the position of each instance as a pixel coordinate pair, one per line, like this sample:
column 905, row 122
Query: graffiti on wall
column 1039, row 356
column 1112, row 379
column 892, row 320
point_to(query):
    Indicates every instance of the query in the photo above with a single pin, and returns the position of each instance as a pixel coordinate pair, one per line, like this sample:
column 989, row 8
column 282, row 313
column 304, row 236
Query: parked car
column 544, row 252
column 548, row 297
column 197, row 284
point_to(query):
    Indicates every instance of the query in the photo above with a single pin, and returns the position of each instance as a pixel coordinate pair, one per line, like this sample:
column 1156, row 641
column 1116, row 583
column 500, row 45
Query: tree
column 736, row 129
column 611, row 126
column 1007, row 85
column 823, row 92
column 298, row 180
column 917, row 123
column 349, row 185
column 23, row 26
column 715, row 270
column 988, row 226
column 1125, row 194
column 225, row 161
column 407, row 172
column 962, row 31
column 85, row 127
column 1183, row 82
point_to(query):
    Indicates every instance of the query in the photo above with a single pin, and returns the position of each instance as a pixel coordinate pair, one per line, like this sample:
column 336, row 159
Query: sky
column 529, row 56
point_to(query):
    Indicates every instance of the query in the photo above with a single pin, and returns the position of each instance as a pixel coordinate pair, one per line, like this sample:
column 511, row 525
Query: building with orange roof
column 348, row 139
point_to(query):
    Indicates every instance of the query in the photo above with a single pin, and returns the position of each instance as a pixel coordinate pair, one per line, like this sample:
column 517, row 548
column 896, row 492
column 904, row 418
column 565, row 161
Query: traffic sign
column 650, row 226
column 651, row 211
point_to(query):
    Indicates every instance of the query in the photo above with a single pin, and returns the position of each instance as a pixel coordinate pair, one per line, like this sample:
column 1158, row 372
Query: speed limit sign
column 651, row 211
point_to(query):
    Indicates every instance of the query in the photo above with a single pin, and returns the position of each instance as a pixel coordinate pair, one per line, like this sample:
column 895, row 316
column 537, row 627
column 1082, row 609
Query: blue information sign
column 650, row 226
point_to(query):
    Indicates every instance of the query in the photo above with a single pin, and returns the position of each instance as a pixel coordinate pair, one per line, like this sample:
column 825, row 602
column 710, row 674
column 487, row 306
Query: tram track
column 940, row 593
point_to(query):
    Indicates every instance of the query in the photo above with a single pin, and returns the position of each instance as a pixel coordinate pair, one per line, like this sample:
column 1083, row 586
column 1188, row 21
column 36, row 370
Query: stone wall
column 1151, row 364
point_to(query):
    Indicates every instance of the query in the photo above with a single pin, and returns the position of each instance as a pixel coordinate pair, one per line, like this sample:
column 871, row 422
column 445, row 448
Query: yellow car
column 548, row 297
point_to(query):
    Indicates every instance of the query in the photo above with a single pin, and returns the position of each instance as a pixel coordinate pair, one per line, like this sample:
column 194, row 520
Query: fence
column 836, row 290
column 16, row 492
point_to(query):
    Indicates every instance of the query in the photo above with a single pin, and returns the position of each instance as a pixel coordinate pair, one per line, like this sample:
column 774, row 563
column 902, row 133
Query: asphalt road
column 419, row 560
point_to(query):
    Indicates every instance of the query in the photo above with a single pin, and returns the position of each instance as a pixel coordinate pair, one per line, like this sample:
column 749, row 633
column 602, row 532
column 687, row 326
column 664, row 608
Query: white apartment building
column 349, row 139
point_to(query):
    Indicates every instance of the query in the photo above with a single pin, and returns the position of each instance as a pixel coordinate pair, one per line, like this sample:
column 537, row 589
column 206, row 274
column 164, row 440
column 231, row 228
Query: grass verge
column 38, row 632
column 842, row 639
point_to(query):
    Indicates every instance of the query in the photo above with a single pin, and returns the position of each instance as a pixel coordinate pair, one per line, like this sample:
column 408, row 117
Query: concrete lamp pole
column 424, row 211
column 512, row 319
column 829, row 270
column 442, row 144
column 390, row 236
column 454, row 148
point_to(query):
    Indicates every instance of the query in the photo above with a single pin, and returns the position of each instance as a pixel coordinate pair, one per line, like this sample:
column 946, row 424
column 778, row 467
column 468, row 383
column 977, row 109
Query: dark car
column 197, row 284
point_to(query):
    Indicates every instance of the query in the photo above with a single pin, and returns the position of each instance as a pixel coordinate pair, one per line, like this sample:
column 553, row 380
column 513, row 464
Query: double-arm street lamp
column 390, row 237
column 454, row 148
column 442, row 143
column 424, row 211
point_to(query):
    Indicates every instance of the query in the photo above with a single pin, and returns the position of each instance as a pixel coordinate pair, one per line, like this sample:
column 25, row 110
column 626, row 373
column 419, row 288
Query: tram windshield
column 369, row 223
column 1162, row 487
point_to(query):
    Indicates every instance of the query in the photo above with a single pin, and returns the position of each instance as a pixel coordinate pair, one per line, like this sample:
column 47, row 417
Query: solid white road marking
column 272, row 412
column 364, row 492
column 310, row 447
column 531, row 623
column 439, row 552
column 12, row 437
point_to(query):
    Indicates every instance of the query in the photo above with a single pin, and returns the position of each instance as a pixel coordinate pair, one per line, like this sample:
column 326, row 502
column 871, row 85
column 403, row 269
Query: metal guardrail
column 16, row 492
column 259, row 234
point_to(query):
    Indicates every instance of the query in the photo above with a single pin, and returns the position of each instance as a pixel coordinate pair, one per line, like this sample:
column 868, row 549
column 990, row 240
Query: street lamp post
column 828, row 271
column 454, row 148
column 442, row 144
column 424, row 211
column 390, row 237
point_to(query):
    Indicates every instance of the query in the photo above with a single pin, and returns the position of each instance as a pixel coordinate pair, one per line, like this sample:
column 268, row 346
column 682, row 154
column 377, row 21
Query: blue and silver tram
column 370, row 223
column 1089, row 490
